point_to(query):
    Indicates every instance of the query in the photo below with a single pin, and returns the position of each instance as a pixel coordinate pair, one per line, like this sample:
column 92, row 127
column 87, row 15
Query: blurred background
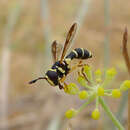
column 27, row 29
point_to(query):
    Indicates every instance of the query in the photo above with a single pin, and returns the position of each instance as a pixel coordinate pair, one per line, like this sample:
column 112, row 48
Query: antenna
column 35, row 80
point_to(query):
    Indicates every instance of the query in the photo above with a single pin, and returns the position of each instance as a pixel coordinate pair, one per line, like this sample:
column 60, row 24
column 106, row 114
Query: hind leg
column 81, row 73
column 79, row 65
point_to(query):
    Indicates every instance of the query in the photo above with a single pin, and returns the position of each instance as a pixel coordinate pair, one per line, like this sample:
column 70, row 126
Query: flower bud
column 98, row 80
column 83, row 94
column 98, row 73
column 116, row 93
column 95, row 114
column 125, row 85
column 72, row 89
column 110, row 73
column 100, row 91
column 70, row 113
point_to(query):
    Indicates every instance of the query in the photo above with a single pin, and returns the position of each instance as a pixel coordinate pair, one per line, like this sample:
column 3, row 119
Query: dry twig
column 127, row 61
column 125, row 52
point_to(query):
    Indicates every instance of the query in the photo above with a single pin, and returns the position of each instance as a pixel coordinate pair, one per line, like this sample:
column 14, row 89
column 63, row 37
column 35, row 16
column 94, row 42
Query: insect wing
column 69, row 38
column 56, row 49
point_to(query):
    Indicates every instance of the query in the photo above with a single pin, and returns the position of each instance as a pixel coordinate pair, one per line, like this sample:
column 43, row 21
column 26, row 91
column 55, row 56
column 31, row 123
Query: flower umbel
column 96, row 88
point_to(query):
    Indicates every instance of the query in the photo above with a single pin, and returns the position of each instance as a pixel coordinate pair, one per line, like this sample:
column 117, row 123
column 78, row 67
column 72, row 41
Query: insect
column 61, row 68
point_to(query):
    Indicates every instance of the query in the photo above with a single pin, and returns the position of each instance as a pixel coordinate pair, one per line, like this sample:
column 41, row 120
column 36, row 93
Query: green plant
column 95, row 88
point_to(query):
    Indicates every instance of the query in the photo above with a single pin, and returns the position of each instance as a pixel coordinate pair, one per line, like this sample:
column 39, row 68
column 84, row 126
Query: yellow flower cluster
column 95, row 88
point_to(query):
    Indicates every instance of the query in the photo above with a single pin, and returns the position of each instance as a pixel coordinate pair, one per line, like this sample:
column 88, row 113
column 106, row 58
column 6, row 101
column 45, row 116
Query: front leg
column 61, row 86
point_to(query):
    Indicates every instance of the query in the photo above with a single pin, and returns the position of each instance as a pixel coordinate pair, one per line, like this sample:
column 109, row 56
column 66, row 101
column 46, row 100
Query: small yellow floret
column 83, row 94
column 81, row 81
column 110, row 73
column 98, row 72
column 72, row 89
column 116, row 93
column 126, row 84
column 70, row 113
column 100, row 91
column 98, row 80
column 95, row 114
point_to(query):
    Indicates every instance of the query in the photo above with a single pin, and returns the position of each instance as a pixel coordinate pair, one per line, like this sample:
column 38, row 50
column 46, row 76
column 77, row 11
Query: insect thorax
column 57, row 72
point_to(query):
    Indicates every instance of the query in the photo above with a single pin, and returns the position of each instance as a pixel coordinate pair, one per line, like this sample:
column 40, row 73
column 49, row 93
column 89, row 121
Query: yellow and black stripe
column 79, row 53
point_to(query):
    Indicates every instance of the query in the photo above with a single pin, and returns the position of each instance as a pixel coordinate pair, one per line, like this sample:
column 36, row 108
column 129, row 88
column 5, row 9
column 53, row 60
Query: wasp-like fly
column 61, row 68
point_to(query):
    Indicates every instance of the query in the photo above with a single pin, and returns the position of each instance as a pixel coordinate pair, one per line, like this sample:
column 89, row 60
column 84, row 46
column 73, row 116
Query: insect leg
column 61, row 86
column 81, row 73
column 62, row 79
column 77, row 66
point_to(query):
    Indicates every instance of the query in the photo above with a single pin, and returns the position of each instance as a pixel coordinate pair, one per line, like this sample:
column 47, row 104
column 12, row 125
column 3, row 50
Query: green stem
column 97, row 101
column 108, row 90
column 110, row 114
column 122, row 106
column 86, row 103
column 107, row 94
column 88, row 87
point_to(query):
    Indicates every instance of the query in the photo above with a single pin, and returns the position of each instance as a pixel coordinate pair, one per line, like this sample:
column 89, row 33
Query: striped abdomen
column 79, row 53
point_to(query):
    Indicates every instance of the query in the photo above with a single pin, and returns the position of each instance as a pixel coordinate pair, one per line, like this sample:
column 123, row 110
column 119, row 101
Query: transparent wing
column 69, row 38
column 56, row 50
